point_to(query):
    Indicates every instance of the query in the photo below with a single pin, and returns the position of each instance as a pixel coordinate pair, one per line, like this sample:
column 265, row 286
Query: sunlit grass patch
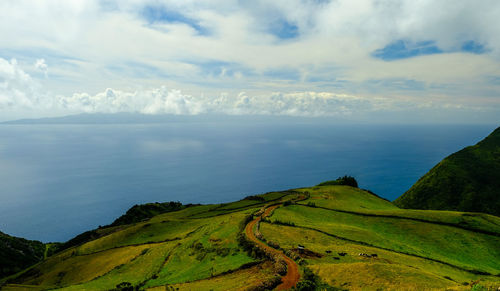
column 459, row 247
column 67, row 270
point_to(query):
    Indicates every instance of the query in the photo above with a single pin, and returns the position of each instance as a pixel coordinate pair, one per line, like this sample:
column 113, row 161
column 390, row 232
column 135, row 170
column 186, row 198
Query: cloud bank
column 19, row 92
column 289, row 57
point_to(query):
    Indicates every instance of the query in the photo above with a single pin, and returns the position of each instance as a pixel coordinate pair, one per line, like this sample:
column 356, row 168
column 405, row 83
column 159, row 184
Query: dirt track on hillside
column 292, row 269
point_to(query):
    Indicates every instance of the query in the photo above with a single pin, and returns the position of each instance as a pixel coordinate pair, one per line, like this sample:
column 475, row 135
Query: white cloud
column 94, row 45
column 40, row 65
column 17, row 88
column 20, row 93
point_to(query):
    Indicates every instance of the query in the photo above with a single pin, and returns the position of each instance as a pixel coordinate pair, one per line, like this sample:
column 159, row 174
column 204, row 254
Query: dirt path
column 292, row 269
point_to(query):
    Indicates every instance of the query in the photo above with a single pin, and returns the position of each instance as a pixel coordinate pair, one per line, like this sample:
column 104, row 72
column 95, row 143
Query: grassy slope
column 468, row 180
column 196, row 248
column 191, row 244
column 381, row 228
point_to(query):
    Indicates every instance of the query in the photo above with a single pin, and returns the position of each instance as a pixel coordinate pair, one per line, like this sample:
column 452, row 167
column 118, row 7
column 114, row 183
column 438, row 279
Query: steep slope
column 17, row 254
column 468, row 180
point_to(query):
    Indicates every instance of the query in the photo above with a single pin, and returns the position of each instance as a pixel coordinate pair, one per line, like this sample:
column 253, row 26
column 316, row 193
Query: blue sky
column 439, row 59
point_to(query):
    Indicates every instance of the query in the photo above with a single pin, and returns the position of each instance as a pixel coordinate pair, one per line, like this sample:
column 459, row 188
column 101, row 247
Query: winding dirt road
column 292, row 269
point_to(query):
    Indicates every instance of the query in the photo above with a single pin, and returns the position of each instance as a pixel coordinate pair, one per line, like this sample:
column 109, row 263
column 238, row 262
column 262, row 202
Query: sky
column 358, row 60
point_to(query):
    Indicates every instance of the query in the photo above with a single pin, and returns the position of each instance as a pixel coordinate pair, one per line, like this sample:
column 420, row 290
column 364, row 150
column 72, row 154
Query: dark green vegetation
column 468, row 180
column 145, row 211
column 17, row 254
column 346, row 181
column 348, row 237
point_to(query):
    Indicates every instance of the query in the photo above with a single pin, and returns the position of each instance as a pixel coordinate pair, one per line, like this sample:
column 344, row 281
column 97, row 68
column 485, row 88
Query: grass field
column 425, row 273
column 197, row 248
column 439, row 242
column 350, row 199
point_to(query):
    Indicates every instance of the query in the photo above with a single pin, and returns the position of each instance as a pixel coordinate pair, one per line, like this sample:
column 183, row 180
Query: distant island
column 333, row 236
column 140, row 118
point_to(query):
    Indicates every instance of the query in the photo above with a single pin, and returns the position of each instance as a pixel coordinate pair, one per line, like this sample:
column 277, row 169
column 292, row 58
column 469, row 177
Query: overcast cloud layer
column 301, row 58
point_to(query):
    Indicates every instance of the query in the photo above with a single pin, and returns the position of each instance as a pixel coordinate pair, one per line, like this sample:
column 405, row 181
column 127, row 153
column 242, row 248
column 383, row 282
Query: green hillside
column 332, row 237
column 468, row 180
column 18, row 253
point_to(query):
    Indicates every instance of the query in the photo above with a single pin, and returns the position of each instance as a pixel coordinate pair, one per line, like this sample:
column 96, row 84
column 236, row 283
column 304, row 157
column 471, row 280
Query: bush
column 249, row 247
column 311, row 282
column 124, row 286
column 255, row 198
column 346, row 180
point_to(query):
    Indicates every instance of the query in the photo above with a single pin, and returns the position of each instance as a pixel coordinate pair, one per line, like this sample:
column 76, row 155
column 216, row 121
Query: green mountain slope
column 18, row 253
column 468, row 180
column 336, row 236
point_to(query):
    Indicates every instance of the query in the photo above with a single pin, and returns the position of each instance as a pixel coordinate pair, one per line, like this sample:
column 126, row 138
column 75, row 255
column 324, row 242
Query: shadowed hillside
column 18, row 253
column 468, row 180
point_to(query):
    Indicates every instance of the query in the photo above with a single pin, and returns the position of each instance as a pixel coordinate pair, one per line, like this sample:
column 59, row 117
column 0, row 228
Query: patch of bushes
column 255, row 198
column 346, row 180
column 201, row 252
column 250, row 248
column 274, row 245
column 125, row 286
column 311, row 282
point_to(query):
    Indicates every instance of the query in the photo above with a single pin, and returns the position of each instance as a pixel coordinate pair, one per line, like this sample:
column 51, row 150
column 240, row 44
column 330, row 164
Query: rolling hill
column 468, row 180
column 331, row 237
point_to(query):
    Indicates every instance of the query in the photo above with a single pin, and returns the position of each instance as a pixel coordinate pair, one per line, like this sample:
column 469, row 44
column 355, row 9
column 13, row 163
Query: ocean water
column 57, row 181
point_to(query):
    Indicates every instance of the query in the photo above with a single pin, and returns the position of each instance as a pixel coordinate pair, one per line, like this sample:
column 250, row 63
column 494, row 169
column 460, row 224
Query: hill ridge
column 468, row 180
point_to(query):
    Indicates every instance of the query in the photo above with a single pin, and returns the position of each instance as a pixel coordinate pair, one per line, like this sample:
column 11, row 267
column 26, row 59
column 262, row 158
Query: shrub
column 249, row 247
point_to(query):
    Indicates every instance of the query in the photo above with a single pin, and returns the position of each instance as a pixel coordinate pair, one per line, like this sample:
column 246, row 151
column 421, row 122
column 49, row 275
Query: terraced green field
column 201, row 248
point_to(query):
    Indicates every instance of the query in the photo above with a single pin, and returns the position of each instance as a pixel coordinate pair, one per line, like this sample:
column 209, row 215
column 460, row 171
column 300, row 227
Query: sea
column 58, row 180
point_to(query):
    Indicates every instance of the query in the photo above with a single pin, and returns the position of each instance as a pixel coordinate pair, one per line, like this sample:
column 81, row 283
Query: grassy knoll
column 345, row 198
column 354, row 200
